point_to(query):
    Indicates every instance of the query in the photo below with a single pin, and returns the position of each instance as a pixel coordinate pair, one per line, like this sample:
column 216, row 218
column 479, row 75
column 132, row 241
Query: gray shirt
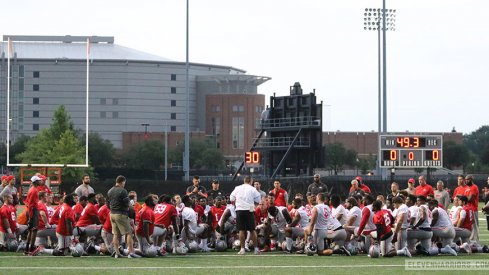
column 84, row 190
column 443, row 198
column 316, row 188
column 118, row 200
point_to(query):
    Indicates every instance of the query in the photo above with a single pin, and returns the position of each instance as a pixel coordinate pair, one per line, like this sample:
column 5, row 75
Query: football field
column 230, row 263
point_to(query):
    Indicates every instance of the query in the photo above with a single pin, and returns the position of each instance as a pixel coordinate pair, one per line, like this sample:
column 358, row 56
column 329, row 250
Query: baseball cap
column 35, row 178
column 9, row 178
column 411, row 180
column 42, row 177
column 4, row 177
column 358, row 178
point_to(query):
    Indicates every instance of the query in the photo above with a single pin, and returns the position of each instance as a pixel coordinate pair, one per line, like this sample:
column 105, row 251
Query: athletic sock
column 288, row 241
column 400, row 252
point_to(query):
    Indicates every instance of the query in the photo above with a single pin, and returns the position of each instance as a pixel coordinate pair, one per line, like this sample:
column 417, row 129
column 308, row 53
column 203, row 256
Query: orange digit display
column 252, row 158
column 393, row 154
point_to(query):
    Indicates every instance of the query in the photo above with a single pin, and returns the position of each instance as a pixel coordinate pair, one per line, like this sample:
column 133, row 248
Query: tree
column 454, row 155
column 57, row 144
column 101, row 152
column 203, row 154
column 146, row 155
column 366, row 163
column 19, row 146
column 477, row 140
column 337, row 156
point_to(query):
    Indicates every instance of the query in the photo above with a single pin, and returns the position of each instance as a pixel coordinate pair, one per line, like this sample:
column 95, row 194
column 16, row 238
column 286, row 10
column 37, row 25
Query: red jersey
column 55, row 217
column 469, row 217
column 365, row 188
column 279, row 195
column 88, row 216
column 164, row 213
column 146, row 214
column 42, row 208
column 103, row 213
column 200, row 212
column 261, row 215
column 44, row 188
column 216, row 213
column 108, row 224
column 77, row 211
column 8, row 212
column 424, row 190
column 32, row 198
column 460, row 190
column 474, row 191
column 66, row 213
column 384, row 219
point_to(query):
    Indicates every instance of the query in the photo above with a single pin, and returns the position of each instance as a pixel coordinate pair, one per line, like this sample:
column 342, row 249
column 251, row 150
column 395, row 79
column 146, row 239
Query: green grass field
column 228, row 263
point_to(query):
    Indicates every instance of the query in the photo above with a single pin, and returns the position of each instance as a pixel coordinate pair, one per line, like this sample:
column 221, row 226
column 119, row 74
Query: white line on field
column 46, row 268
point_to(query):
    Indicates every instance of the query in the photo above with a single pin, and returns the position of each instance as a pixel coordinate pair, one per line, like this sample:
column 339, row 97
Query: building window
column 259, row 109
column 115, row 114
column 115, row 101
column 103, row 114
column 21, row 84
column 238, row 132
column 35, row 100
column 238, row 108
column 173, row 128
column 173, row 77
column 173, row 103
column 173, row 90
column 173, row 115
column 36, row 74
column 103, row 101
column 21, row 71
column 216, row 108
column 35, row 114
column 216, row 126
column 35, row 87
column 35, row 127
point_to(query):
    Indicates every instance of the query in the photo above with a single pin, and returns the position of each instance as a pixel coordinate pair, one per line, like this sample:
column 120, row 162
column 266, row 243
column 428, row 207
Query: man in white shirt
column 442, row 228
column 246, row 197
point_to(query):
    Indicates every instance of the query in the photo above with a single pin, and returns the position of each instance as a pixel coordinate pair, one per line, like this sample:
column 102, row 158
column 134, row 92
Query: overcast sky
column 437, row 58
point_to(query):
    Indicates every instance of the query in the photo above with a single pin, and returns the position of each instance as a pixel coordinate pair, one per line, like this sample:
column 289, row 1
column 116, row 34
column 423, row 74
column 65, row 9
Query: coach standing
column 119, row 216
column 245, row 197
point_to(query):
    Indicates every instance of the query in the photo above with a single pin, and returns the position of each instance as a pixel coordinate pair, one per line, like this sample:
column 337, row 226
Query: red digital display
column 410, row 142
column 252, row 158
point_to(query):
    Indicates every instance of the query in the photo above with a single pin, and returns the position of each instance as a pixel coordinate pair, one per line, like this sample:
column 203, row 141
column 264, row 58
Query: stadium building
column 130, row 92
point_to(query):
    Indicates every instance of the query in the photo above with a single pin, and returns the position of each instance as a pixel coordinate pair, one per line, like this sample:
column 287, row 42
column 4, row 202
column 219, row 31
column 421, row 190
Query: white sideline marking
column 191, row 267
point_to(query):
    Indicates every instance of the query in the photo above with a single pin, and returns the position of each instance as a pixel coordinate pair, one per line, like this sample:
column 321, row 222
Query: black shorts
column 245, row 220
column 33, row 219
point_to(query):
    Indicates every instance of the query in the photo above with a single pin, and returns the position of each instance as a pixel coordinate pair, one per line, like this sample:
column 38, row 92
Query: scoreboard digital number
column 252, row 158
column 411, row 151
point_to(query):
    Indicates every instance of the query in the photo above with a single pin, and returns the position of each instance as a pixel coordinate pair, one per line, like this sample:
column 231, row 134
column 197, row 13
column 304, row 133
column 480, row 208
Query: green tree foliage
column 57, row 144
column 203, row 155
column 19, row 146
column 101, row 152
column 477, row 140
column 454, row 155
column 146, row 155
column 337, row 156
column 365, row 164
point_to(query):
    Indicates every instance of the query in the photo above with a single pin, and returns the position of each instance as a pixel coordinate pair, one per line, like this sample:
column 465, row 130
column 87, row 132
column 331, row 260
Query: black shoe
column 421, row 250
column 485, row 249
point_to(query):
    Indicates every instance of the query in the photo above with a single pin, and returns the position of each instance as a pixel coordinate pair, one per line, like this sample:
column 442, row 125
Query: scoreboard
column 410, row 151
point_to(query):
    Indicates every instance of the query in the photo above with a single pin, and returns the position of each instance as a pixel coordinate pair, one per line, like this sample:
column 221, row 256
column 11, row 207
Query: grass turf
column 227, row 263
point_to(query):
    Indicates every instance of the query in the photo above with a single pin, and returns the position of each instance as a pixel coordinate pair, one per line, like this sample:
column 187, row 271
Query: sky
column 437, row 58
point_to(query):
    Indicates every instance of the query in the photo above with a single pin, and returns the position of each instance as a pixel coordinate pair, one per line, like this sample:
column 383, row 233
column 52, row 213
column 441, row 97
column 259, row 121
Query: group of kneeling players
column 321, row 224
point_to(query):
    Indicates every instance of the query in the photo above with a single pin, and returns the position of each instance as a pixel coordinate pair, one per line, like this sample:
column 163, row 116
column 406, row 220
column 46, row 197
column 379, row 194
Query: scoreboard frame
column 410, row 151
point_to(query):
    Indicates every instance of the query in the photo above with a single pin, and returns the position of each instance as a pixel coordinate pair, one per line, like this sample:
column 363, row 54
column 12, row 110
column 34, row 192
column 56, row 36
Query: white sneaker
column 257, row 251
column 133, row 255
column 450, row 250
column 241, row 251
column 466, row 248
column 406, row 252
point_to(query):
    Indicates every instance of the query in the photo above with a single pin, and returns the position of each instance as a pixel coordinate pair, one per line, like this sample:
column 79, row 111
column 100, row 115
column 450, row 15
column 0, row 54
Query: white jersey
column 370, row 226
column 443, row 219
column 279, row 219
column 357, row 213
column 454, row 213
column 340, row 210
column 232, row 217
column 304, row 217
column 188, row 214
column 413, row 212
column 403, row 209
column 325, row 219
column 427, row 221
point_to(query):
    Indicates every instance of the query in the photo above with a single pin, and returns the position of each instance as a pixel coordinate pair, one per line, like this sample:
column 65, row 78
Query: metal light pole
column 166, row 152
column 186, row 161
column 373, row 18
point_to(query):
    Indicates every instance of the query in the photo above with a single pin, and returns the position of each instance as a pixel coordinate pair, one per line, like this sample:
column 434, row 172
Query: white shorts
column 158, row 231
column 64, row 241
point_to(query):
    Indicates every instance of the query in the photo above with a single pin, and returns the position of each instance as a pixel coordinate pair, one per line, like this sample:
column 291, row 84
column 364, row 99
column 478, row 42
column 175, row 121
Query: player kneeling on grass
column 442, row 227
column 166, row 222
column 295, row 229
column 145, row 227
column 8, row 223
column 278, row 218
column 64, row 230
column 383, row 222
column 89, row 223
column 324, row 226
column 402, row 223
column 190, row 226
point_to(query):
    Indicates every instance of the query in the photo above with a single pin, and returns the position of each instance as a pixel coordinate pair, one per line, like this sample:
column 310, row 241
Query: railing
column 290, row 122
column 283, row 142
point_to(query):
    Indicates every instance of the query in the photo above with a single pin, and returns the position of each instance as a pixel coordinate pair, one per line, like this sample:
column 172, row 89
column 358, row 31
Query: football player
column 401, row 213
column 383, row 221
column 421, row 230
column 442, row 227
column 191, row 229
column 367, row 228
column 145, row 226
column 166, row 215
column 295, row 229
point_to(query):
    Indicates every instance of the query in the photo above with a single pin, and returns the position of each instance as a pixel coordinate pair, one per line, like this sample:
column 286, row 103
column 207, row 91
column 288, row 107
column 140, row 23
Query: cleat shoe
column 241, row 252
column 162, row 251
column 466, row 247
column 265, row 249
column 257, row 252
column 37, row 251
column 422, row 251
column 345, row 251
column 406, row 252
column 450, row 250
column 485, row 249
column 133, row 256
